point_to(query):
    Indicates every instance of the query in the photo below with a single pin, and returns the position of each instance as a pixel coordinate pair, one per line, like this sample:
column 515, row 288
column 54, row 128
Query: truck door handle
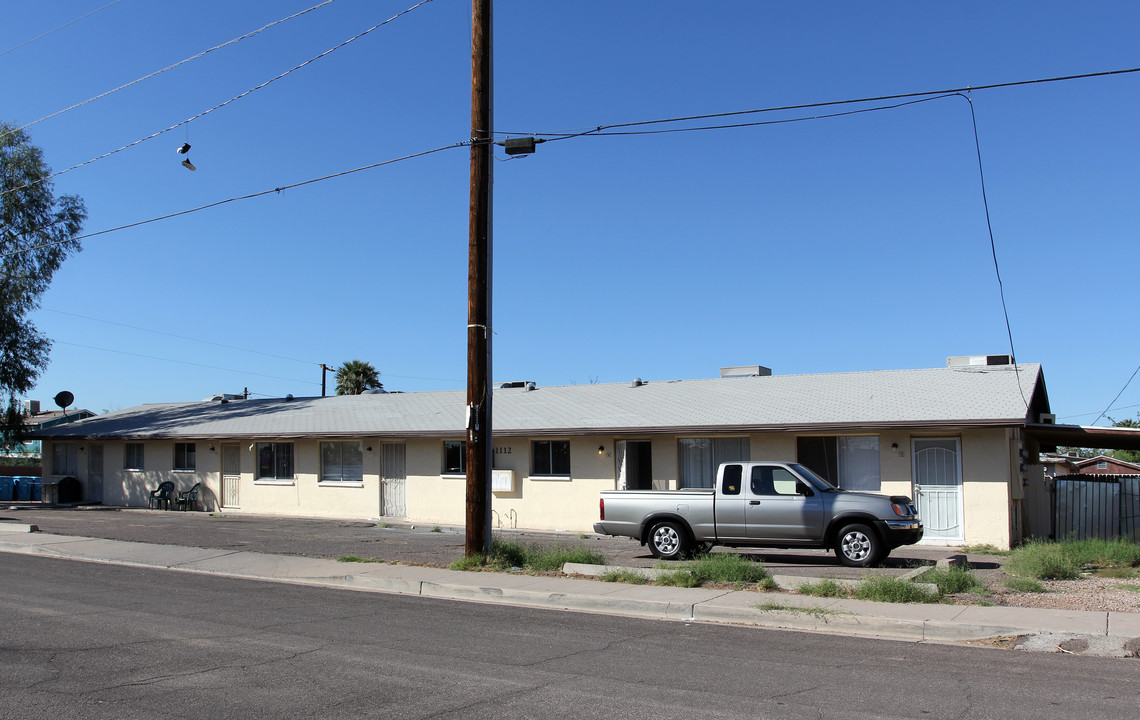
column 753, row 502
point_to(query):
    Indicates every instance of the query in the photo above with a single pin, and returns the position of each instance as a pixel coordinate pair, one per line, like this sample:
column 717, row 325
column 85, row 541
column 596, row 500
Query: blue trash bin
column 7, row 483
column 21, row 490
column 36, row 488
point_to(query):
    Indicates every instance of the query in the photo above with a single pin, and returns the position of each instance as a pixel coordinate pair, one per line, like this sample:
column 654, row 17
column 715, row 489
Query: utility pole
column 478, row 538
column 324, row 369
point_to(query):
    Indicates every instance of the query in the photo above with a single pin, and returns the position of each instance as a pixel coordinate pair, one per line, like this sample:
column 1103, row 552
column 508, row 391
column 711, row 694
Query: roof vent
column 375, row 391
column 745, row 371
column 637, row 382
column 528, row 384
column 289, row 397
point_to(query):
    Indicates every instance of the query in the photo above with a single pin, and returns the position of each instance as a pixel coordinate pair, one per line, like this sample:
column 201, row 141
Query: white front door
column 938, row 488
column 393, row 477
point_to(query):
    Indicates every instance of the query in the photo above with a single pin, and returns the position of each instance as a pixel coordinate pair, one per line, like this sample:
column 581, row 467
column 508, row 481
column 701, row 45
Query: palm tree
column 356, row 376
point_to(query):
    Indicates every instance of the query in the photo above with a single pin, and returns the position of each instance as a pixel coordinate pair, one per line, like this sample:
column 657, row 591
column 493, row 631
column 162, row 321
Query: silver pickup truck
column 763, row 504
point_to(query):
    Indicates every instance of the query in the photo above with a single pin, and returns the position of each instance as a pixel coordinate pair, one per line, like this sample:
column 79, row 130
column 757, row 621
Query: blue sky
column 832, row 245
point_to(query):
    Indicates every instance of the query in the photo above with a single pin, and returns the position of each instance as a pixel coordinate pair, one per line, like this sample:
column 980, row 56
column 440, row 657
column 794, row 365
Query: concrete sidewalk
column 1093, row 633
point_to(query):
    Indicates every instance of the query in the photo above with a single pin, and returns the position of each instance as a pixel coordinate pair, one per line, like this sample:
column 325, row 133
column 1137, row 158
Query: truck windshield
column 820, row 482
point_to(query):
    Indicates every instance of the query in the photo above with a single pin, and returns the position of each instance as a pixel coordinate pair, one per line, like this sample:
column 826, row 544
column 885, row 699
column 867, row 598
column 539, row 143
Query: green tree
column 356, row 376
column 37, row 233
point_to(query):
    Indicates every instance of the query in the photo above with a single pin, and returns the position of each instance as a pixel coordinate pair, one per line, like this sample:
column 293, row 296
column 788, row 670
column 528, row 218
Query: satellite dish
column 64, row 399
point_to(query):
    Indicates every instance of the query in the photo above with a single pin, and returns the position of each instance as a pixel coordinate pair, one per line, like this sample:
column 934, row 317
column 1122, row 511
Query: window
column 773, row 481
column 731, row 483
column 133, row 456
column 65, row 459
column 342, row 462
column 851, row 462
column 455, row 457
column 550, row 457
column 274, row 461
column 184, row 456
column 698, row 458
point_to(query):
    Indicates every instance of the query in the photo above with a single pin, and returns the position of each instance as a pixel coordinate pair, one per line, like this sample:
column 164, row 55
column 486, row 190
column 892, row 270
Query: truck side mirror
column 803, row 489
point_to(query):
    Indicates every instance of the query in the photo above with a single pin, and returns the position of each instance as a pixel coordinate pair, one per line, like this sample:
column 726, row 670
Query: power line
column 545, row 137
column 238, row 198
column 829, row 103
column 1130, row 379
column 223, row 345
column 180, row 337
column 185, row 362
column 171, row 67
column 993, row 248
column 1076, row 415
column 225, row 103
column 49, row 32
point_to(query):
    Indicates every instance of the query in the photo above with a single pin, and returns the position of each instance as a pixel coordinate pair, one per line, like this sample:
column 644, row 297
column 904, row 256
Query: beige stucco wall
column 539, row 503
column 986, row 487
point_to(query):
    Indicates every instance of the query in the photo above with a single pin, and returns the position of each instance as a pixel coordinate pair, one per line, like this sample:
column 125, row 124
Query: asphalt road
column 86, row 640
column 397, row 542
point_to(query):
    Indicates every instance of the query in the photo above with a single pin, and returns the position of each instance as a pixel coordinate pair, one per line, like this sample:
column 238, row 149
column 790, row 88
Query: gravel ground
column 1089, row 593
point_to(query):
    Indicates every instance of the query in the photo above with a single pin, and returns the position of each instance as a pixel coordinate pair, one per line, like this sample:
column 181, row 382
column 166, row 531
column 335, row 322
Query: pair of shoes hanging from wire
column 186, row 161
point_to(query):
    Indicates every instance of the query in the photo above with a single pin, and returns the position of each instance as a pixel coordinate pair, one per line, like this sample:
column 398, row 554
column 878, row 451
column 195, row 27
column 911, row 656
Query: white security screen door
column 393, row 478
column 938, row 488
column 231, row 475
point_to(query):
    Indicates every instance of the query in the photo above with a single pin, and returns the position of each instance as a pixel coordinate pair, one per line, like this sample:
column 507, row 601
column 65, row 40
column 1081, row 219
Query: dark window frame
column 134, row 456
column 336, row 473
column 550, row 458
column 185, row 457
column 454, row 458
column 278, row 458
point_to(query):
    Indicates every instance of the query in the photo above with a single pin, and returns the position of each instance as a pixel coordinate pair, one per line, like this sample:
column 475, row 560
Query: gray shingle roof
column 941, row 397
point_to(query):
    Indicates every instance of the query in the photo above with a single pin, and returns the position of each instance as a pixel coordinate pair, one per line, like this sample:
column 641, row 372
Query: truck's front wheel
column 668, row 541
column 858, row 546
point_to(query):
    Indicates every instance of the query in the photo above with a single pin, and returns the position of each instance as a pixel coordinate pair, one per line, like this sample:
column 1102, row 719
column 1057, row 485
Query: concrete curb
column 1101, row 633
column 786, row 582
column 17, row 528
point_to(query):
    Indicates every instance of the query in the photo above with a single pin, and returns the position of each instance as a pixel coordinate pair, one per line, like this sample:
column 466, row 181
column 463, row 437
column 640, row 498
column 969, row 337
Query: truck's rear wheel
column 668, row 541
column 858, row 546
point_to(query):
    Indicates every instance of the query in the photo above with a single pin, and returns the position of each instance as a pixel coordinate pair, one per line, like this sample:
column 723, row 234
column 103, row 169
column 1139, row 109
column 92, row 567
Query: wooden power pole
column 478, row 538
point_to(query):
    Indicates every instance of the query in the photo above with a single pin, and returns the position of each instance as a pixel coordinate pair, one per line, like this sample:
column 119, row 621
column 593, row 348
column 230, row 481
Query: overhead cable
column 807, row 106
column 227, row 102
column 171, row 67
column 49, row 32
column 184, row 362
column 238, row 198
column 1130, row 379
column 180, row 337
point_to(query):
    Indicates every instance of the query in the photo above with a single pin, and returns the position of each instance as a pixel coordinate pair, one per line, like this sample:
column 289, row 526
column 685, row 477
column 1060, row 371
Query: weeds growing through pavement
column 825, row 588
column 953, row 580
column 894, row 590
column 726, row 568
column 514, row 555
